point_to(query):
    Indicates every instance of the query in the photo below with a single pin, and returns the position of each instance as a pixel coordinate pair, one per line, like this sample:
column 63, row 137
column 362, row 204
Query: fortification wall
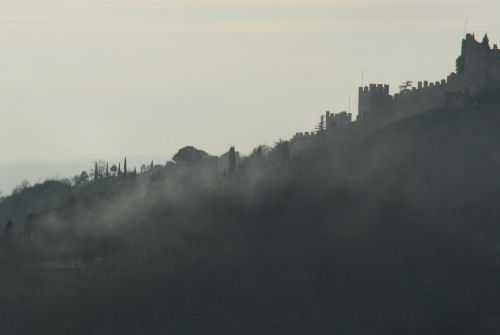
column 478, row 66
column 377, row 106
column 301, row 141
column 422, row 98
column 338, row 121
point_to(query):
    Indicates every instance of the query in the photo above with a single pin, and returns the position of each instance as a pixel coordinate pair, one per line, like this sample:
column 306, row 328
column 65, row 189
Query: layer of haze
column 84, row 80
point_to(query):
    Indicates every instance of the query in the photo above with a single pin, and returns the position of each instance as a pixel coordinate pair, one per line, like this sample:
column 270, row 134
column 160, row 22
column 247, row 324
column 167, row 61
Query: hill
column 392, row 233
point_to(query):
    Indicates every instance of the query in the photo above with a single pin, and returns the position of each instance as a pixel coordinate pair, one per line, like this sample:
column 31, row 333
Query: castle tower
column 479, row 65
column 374, row 103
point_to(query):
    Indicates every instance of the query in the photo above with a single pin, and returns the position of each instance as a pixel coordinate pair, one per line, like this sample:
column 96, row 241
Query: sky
column 82, row 80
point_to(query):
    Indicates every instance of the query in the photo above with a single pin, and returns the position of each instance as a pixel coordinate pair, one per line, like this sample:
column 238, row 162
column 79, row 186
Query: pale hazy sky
column 83, row 80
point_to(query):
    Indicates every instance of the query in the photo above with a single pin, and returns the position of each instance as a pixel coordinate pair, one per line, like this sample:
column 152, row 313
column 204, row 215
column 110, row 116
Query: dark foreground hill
column 397, row 233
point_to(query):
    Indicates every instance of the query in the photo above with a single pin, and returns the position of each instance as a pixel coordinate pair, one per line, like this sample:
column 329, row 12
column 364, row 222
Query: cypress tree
column 96, row 173
column 107, row 170
column 232, row 161
column 125, row 166
column 119, row 170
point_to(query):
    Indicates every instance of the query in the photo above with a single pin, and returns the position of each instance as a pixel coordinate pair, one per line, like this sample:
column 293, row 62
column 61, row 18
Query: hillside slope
column 395, row 234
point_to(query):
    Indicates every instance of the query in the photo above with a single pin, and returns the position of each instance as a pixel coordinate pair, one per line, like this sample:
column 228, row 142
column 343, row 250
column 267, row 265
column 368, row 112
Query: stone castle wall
column 480, row 67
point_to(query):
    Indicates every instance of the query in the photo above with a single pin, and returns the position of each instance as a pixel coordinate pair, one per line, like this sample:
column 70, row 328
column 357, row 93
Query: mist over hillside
column 387, row 224
column 393, row 232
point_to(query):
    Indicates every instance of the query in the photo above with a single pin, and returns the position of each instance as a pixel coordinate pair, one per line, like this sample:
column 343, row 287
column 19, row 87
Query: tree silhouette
column 321, row 125
column 406, row 86
column 96, row 173
column 125, row 166
column 283, row 149
column 232, row 161
column 83, row 178
column 486, row 41
column 189, row 155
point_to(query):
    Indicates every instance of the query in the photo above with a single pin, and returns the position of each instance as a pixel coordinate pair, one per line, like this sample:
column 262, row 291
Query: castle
column 477, row 67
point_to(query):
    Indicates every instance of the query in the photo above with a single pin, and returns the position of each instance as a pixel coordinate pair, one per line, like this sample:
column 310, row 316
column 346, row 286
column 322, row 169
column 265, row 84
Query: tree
column 151, row 164
column 189, row 155
column 98, row 169
column 119, row 170
column 406, row 86
column 135, row 171
column 96, row 174
column 84, row 177
column 125, row 166
column 321, row 125
column 258, row 152
column 486, row 41
column 232, row 161
column 114, row 169
column 25, row 184
column 107, row 170
column 460, row 64
column 283, row 149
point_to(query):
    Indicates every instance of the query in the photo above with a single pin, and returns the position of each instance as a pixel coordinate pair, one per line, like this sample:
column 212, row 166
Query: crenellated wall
column 377, row 105
column 374, row 103
column 478, row 66
column 337, row 121
column 424, row 97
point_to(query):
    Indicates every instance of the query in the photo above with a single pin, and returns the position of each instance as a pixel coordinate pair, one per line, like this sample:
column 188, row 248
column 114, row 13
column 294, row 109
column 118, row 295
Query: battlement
column 337, row 121
column 477, row 67
column 423, row 87
column 304, row 134
column 342, row 116
column 376, row 104
column 375, row 89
